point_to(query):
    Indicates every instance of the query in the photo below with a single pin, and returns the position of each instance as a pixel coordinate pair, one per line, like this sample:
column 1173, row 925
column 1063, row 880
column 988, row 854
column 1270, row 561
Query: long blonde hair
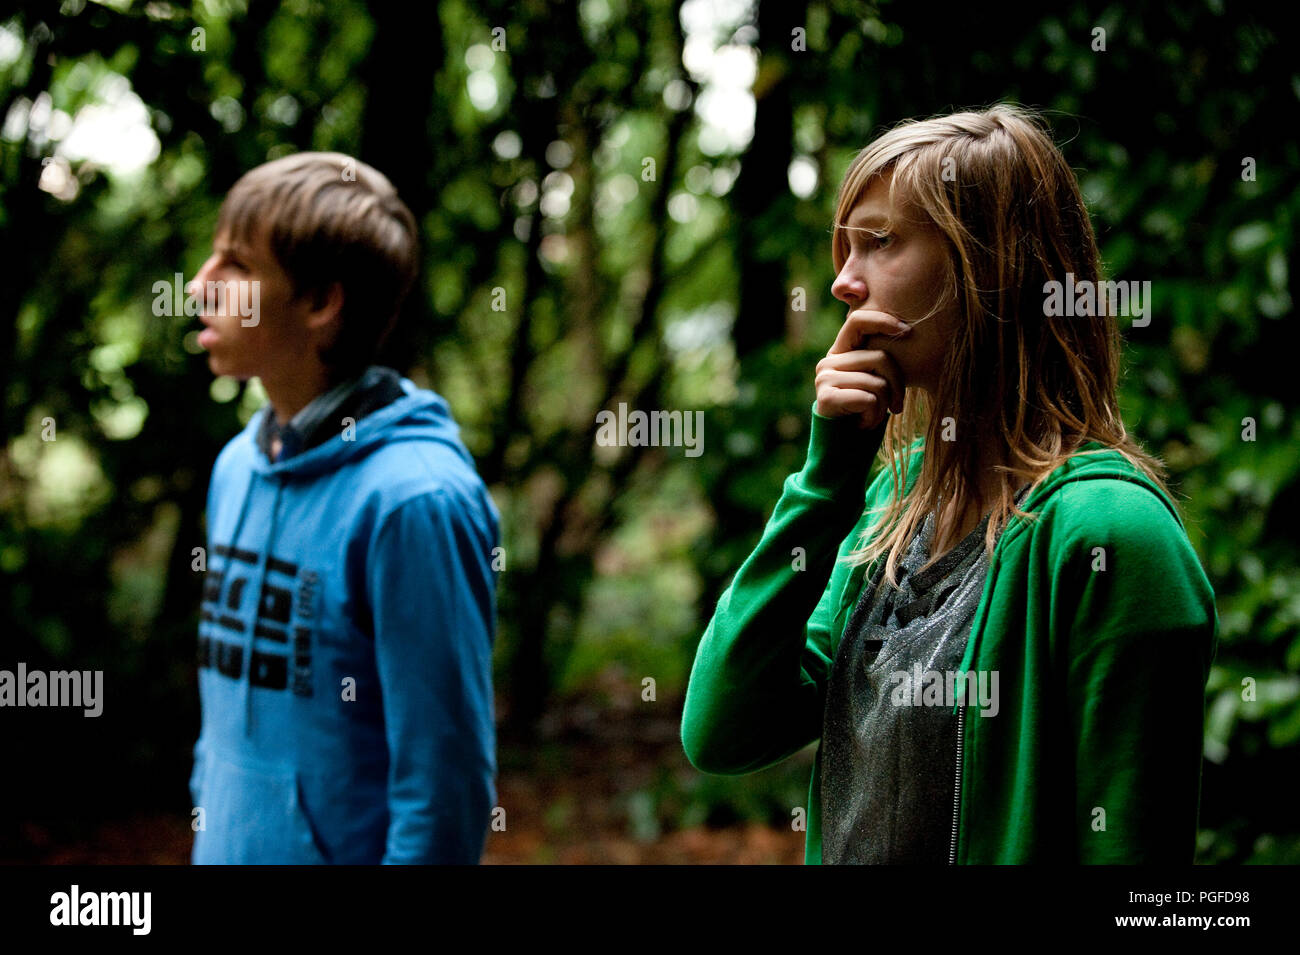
column 1033, row 388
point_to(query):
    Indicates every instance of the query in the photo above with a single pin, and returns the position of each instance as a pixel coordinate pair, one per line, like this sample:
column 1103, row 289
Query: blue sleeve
column 432, row 592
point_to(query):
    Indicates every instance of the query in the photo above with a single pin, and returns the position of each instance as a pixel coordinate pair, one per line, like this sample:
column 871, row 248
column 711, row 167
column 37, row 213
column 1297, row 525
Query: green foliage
column 673, row 291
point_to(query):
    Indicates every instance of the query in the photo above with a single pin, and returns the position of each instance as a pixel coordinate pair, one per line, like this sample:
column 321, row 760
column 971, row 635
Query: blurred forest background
column 651, row 183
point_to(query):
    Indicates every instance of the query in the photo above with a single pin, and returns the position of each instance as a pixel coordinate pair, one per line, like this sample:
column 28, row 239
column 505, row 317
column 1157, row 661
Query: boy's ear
column 327, row 309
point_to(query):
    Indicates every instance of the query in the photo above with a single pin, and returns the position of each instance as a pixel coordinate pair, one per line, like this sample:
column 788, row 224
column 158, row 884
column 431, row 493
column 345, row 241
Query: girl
column 1019, row 556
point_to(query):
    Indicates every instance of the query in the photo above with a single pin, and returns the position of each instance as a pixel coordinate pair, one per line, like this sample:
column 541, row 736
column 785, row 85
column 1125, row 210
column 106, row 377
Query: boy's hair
column 331, row 218
column 1016, row 380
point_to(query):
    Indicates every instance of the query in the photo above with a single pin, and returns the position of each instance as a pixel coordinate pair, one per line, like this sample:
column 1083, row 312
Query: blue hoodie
column 358, row 578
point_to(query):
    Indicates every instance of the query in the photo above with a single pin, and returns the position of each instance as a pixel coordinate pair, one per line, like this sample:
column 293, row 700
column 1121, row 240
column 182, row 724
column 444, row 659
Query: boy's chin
column 222, row 369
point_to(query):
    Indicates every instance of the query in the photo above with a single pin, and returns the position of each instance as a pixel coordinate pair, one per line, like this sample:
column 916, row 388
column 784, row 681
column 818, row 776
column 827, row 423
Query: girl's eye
column 872, row 240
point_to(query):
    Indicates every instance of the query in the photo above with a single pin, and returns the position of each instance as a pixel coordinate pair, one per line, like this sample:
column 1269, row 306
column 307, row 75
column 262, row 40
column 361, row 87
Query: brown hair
column 331, row 218
column 1030, row 388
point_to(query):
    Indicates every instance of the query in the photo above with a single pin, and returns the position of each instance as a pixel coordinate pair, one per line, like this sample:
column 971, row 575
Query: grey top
column 889, row 739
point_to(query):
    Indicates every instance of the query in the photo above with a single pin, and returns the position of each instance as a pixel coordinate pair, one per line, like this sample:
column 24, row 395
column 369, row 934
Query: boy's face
column 253, row 325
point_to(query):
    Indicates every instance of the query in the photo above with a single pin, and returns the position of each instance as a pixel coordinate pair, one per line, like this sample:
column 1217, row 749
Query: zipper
column 956, row 793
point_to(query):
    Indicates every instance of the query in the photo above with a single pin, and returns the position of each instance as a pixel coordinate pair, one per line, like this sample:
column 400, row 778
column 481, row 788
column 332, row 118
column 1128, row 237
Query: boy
column 346, row 632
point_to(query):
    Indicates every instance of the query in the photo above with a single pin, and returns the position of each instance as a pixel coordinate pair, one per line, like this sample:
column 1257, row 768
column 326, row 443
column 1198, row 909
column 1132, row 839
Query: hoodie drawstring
column 264, row 556
column 263, row 561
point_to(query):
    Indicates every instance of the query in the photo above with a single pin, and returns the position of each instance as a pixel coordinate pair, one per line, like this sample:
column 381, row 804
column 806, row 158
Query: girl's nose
column 848, row 287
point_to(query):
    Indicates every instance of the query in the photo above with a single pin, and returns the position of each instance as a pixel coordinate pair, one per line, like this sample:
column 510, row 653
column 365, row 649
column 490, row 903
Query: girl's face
column 901, row 272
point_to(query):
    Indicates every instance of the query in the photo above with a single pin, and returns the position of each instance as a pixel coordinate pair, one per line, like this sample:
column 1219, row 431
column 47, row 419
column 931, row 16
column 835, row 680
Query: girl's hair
column 1027, row 387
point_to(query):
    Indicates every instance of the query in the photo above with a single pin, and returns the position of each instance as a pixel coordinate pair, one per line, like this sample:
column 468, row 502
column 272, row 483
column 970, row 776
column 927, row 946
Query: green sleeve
column 756, row 689
column 1139, row 625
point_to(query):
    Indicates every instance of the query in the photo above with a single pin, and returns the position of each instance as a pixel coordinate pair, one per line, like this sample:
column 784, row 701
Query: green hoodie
column 1097, row 617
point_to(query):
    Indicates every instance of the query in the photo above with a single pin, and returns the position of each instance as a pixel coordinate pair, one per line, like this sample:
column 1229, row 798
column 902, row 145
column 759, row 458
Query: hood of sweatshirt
column 1093, row 461
column 1096, row 461
column 418, row 416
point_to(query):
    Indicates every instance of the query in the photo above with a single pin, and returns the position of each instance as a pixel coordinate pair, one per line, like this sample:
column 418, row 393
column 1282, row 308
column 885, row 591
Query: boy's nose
column 194, row 287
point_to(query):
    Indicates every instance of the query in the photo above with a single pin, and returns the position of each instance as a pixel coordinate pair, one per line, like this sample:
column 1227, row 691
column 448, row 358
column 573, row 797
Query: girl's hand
column 866, row 382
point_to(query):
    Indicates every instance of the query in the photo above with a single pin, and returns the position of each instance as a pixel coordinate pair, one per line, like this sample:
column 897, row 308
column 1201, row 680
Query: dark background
column 528, row 169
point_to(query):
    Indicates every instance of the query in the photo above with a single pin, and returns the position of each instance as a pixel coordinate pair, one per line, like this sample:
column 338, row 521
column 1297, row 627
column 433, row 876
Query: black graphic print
column 224, row 593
